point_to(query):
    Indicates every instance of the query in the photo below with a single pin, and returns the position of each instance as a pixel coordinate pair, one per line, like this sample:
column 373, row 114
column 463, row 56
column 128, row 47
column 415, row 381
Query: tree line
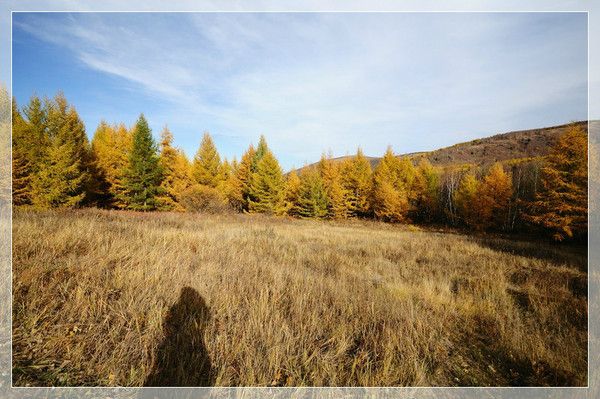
column 55, row 166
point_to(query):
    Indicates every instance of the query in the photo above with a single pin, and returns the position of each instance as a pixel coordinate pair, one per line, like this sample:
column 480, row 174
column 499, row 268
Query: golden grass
column 123, row 298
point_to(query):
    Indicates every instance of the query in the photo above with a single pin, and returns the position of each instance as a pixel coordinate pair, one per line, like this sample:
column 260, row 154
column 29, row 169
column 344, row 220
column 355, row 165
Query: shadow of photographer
column 182, row 359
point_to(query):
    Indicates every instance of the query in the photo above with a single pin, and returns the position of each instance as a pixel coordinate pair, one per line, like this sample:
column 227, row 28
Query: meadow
column 106, row 298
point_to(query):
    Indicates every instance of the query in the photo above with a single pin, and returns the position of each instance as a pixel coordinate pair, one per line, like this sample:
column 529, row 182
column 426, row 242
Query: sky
column 310, row 82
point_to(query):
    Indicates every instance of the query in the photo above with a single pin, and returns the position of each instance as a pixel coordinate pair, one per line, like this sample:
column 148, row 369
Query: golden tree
column 312, row 195
column 63, row 175
column 292, row 193
column 267, row 186
column 207, row 163
column 176, row 173
column 239, row 186
column 111, row 146
column 356, row 180
column 465, row 198
column 391, row 179
column 21, row 164
column 561, row 205
column 337, row 207
column 495, row 193
column 427, row 192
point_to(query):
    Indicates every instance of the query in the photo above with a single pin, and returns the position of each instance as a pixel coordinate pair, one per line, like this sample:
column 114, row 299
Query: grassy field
column 120, row 298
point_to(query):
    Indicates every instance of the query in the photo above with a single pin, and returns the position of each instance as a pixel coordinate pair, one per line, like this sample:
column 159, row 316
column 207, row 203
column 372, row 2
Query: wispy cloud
column 313, row 82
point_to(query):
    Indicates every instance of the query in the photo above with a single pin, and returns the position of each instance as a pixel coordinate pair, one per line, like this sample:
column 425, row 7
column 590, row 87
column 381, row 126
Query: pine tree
column 336, row 194
column 176, row 173
column 561, row 205
column 465, row 199
column 312, row 196
column 143, row 175
column 207, row 163
column 391, row 179
column 267, row 186
column 493, row 204
column 427, row 192
column 356, row 180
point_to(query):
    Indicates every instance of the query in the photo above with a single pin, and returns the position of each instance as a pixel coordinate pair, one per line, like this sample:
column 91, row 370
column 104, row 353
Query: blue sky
column 310, row 82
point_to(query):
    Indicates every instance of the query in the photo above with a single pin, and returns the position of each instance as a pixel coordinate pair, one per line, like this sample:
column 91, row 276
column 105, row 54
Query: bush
column 200, row 198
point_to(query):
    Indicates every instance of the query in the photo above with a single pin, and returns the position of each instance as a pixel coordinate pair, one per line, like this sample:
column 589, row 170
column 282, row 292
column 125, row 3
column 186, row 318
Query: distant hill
column 500, row 147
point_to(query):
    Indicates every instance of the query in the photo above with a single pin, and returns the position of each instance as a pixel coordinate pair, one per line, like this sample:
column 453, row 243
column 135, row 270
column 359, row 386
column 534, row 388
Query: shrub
column 201, row 198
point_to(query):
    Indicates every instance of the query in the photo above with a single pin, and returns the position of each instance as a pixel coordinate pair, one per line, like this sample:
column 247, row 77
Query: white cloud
column 310, row 82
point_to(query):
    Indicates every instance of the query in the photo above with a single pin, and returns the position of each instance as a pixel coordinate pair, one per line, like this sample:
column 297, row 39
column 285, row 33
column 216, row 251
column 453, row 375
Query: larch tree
column 356, row 180
column 465, row 198
column 312, row 195
column 261, row 150
column 21, row 163
column 390, row 198
column 292, row 193
column 111, row 146
column 226, row 170
column 63, row 177
column 207, row 163
column 495, row 193
column 239, row 189
column 337, row 207
column 561, row 205
column 427, row 192
column 267, row 186
column 176, row 173
column 35, row 138
column 143, row 175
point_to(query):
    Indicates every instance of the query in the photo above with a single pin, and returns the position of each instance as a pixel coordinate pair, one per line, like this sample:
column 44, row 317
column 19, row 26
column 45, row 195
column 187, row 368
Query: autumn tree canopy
column 54, row 166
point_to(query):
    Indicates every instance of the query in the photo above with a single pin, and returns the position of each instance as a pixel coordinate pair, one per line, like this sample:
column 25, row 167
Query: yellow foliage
column 111, row 146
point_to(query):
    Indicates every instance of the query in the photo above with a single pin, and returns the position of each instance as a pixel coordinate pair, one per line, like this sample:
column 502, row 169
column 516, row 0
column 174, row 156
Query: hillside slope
column 500, row 147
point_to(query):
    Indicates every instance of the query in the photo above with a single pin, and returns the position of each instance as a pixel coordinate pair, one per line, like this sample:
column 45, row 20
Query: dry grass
column 118, row 298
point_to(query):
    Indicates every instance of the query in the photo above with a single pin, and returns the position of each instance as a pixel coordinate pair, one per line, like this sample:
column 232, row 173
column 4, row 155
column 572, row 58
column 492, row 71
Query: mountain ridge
column 518, row 144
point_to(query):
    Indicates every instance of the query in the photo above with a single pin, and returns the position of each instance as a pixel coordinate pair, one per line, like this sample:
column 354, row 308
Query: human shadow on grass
column 182, row 358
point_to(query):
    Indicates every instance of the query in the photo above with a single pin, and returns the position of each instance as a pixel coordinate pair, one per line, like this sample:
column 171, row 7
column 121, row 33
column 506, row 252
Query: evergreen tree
column 143, row 175
column 267, row 188
column 312, row 196
column 561, row 205
column 207, row 163
column 356, row 180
